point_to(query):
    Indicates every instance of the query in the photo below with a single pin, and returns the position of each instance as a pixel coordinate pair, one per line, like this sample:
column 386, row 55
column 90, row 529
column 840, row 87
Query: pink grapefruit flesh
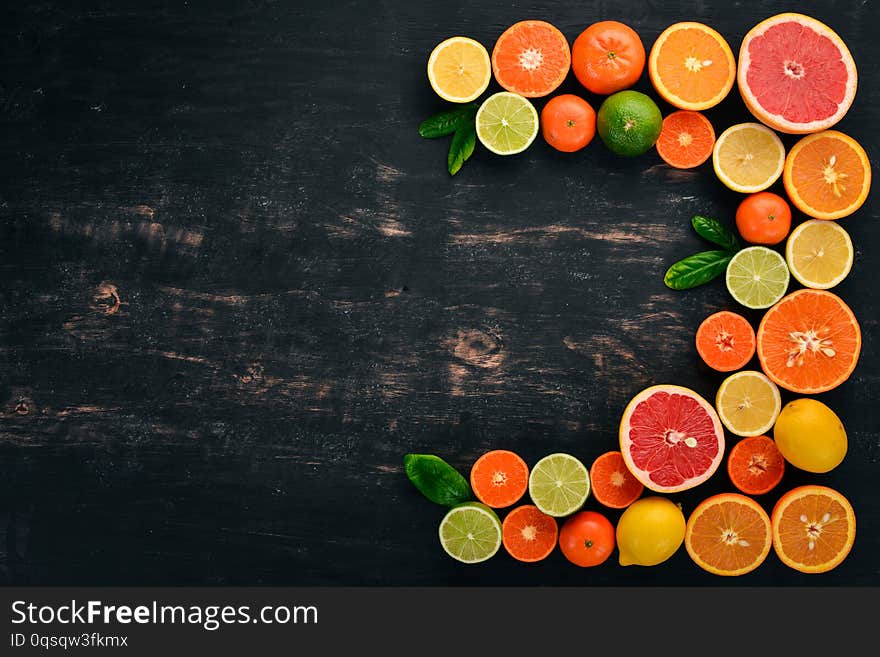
column 795, row 74
column 671, row 438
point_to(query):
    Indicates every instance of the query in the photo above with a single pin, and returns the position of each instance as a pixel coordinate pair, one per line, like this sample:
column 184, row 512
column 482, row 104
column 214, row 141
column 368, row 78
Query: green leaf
column 436, row 479
column 462, row 146
column 445, row 123
column 697, row 269
column 716, row 232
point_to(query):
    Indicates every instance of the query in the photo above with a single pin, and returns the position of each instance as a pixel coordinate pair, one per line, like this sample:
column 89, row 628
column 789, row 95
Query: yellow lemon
column 649, row 532
column 810, row 435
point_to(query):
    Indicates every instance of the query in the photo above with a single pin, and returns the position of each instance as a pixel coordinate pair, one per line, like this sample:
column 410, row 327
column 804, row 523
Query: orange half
column 531, row 58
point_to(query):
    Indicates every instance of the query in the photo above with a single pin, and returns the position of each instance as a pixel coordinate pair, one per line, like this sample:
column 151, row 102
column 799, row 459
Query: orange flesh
column 611, row 483
column 686, row 139
column 725, row 341
column 531, row 58
column 499, row 478
column 755, row 465
column 828, row 174
column 528, row 534
column 693, row 65
column 729, row 533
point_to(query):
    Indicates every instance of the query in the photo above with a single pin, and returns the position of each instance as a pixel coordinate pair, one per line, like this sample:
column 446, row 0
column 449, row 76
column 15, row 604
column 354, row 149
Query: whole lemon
column 810, row 435
column 649, row 532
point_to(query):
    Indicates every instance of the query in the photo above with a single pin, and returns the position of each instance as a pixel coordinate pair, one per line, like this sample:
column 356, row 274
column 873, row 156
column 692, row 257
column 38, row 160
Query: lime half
column 470, row 532
column 507, row 123
column 757, row 277
column 559, row 485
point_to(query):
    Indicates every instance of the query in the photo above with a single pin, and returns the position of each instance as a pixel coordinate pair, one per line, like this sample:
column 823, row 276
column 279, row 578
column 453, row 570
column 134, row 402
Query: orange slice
column 728, row 534
column 612, row 483
column 531, row 58
column 686, row 139
column 528, row 534
column 814, row 528
column 691, row 66
column 725, row 341
column 755, row 465
column 499, row 478
column 827, row 175
column 809, row 342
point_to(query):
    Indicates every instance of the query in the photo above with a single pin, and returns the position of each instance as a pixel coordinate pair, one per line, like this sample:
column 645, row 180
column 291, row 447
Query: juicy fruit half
column 748, row 403
column 691, row 66
column 470, row 532
column 507, row 123
column 725, row 341
column 819, row 254
column 814, row 528
column 611, row 482
column 649, row 532
column 757, row 277
column 528, row 534
column 728, row 534
column 629, row 123
column 809, row 342
column 827, row 175
column 755, row 465
column 531, row 58
column 748, row 157
column 499, row 478
column 796, row 74
column 671, row 438
column 459, row 69
column 686, row 139
column 559, row 485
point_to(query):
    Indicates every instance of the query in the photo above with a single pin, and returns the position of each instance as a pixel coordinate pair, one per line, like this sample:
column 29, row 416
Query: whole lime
column 629, row 123
column 810, row 435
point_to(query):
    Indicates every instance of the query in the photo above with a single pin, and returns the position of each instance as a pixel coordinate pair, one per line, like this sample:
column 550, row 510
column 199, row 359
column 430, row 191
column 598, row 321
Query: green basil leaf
column 462, row 146
column 716, row 232
column 445, row 123
column 436, row 479
column 697, row 269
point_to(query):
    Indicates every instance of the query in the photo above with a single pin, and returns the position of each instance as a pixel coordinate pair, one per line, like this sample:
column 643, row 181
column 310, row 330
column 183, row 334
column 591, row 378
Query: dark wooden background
column 237, row 288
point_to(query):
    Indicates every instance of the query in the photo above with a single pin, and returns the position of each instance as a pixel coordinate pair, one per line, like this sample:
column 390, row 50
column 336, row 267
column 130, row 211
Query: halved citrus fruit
column 470, row 532
column 728, row 534
column 757, row 277
column 827, row 175
column 612, row 483
column 748, row 403
column 748, row 157
column 559, row 484
column 796, row 74
column 819, row 254
column 531, row 58
column 814, row 528
column 459, row 69
column 809, row 342
column 671, row 438
column 691, row 66
column 507, row 123
column 686, row 139
column 755, row 465
column 529, row 534
column 499, row 478
column 725, row 341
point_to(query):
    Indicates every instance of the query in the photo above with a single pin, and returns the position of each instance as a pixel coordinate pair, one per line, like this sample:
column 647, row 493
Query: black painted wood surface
column 237, row 288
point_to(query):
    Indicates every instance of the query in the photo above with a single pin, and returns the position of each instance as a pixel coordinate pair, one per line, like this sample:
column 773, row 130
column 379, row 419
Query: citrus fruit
column 763, row 218
column 814, row 528
column 755, row 465
column 691, row 66
column 748, row 403
column 629, row 123
column 649, row 531
column 587, row 539
column 810, row 436
column 725, row 341
column 611, row 482
column 459, row 69
column 559, row 485
column 671, row 438
column 795, row 74
column 728, row 534
column 686, row 139
column 748, row 157
column 827, row 175
column 809, row 342
column 757, row 277
column 499, row 478
column 470, row 532
column 531, row 58
column 819, row 254
column 568, row 123
column 506, row 123
column 607, row 57
column 528, row 534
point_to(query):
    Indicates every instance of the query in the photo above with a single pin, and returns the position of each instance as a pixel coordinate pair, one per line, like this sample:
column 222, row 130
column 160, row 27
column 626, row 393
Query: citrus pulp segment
column 819, row 254
column 796, row 74
column 528, row 534
column 559, row 485
column 748, row 403
column 531, row 58
column 499, row 478
column 725, row 341
column 755, row 465
column 611, row 482
column 757, row 277
column 506, row 123
column 459, row 69
column 748, row 157
column 686, row 139
column 470, row 532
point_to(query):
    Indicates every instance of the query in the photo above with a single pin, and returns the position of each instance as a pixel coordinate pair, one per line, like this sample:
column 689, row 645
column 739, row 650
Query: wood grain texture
column 236, row 288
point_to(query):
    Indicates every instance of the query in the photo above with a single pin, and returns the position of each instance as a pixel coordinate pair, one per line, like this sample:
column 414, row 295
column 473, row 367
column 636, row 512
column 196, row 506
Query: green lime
column 629, row 123
column 470, row 532
column 559, row 485
column 507, row 123
column 757, row 277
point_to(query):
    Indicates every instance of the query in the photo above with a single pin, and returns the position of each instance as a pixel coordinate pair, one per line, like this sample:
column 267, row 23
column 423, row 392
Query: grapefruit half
column 796, row 74
column 671, row 438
